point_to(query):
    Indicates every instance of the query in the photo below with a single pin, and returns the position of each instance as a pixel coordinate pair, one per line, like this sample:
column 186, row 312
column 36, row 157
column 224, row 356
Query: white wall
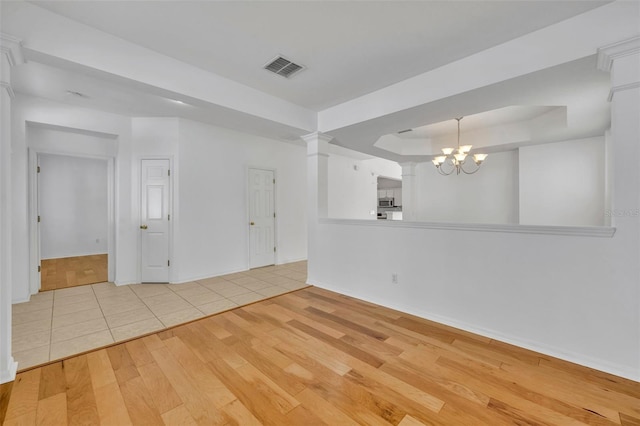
column 563, row 183
column 488, row 196
column 212, row 203
column 27, row 110
column 73, row 206
column 353, row 184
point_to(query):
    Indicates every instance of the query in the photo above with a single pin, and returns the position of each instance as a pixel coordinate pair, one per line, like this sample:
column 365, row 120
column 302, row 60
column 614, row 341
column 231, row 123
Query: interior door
column 154, row 220
column 261, row 218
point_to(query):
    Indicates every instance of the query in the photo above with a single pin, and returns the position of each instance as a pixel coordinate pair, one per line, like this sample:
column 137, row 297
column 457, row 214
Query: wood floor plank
column 52, row 410
column 81, row 401
column 52, row 380
column 313, row 357
column 24, row 395
column 112, row 409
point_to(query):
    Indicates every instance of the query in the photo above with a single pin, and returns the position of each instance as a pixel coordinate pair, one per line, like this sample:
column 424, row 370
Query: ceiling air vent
column 283, row 66
column 405, row 131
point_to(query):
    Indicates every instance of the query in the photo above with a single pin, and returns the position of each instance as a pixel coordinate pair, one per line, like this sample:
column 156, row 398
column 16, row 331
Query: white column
column 623, row 61
column 409, row 191
column 317, row 192
column 10, row 56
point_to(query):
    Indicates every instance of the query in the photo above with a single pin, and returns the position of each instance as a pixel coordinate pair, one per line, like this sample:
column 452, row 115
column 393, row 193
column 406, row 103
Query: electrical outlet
column 394, row 278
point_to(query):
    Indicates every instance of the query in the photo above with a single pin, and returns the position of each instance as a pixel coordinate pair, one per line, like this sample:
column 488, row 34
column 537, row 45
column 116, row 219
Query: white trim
column 598, row 364
column 609, row 53
column 285, row 261
column 622, row 87
column 73, row 255
column 6, row 86
column 579, row 231
column 207, row 276
column 9, row 375
column 11, row 47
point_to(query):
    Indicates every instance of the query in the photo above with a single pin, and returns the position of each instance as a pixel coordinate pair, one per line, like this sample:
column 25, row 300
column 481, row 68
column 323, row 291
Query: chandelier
column 455, row 160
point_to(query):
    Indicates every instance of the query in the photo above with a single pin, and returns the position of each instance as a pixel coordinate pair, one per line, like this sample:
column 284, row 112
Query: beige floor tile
column 135, row 329
column 131, row 305
column 31, row 306
column 20, row 318
column 43, row 295
column 72, row 291
column 193, row 291
column 293, row 285
column 36, row 326
column 170, row 307
column 31, row 357
column 272, row 291
column 150, row 290
column 201, row 299
column 129, row 317
column 243, row 299
column 257, row 285
column 74, row 307
column 76, row 330
column 184, row 286
column 232, row 291
column 234, row 275
column 179, row 317
column 110, row 289
column 244, row 280
column 212, row 280
column 80, row 344
column 26, row 341
column 76, row 317
column 78, row 298
column 163, row 299
column 217, row 306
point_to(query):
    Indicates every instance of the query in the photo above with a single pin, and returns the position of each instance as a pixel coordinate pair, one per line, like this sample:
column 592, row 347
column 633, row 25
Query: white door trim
column 276, row 240
column 172, row 211
column 34, row 231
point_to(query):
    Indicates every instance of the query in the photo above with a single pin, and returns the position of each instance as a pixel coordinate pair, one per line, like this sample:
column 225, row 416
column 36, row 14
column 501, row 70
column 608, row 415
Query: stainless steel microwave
column 385, row 202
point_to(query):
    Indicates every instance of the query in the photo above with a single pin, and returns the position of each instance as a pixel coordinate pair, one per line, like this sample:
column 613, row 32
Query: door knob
column 143, row 226
column 251, row 223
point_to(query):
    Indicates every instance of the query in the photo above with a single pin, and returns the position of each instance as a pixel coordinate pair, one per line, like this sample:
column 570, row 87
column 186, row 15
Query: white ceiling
column 350, row 48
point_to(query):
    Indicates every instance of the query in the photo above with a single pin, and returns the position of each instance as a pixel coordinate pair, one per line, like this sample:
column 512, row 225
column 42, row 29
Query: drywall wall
column 212, row 202
column 488, row 196
column 353, row 183
column 563, row 183
column 73, row 205
column 30, row 116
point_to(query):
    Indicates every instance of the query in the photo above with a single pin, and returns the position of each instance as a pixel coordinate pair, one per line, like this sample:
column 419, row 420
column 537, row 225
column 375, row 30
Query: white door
column 261, row 218
column 154, row 220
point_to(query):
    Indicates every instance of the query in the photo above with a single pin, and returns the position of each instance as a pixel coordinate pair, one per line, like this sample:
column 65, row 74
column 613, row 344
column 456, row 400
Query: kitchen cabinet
column 382, row 193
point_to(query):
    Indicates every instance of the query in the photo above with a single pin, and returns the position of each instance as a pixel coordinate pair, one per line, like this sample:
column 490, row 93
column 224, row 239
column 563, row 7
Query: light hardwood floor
column 314, row 357
column 73, row 271
column 63, row 322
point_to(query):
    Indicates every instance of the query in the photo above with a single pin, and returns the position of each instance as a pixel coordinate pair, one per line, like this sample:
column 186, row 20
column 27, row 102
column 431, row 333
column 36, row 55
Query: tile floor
column 59, row 323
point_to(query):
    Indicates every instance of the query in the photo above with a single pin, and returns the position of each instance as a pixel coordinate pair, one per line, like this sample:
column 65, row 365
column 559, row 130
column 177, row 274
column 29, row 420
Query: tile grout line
column 104, row 317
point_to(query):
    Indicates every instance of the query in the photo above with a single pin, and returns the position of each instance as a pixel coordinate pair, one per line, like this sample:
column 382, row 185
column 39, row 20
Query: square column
column 409, row 191
column 10, row 56
column 317, row 192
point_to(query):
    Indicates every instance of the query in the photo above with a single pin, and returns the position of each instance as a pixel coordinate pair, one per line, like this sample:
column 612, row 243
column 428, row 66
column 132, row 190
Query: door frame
column 276, row 241
column 172, row 211
column 34, row 228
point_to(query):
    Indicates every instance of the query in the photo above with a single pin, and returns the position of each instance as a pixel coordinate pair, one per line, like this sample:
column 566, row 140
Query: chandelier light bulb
column 465, row 149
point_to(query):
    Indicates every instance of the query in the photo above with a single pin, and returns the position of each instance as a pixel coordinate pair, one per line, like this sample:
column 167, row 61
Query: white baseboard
column 577, row 358
column 183, row 280
column 285, row 261
column 9, row 374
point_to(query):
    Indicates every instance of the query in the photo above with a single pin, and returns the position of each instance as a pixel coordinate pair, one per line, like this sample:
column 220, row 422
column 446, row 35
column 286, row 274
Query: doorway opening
column 72, row 220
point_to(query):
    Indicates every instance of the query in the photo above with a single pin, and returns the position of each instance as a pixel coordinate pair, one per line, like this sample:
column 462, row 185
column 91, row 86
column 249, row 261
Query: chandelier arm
column 441, row 169
column 469, row 173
